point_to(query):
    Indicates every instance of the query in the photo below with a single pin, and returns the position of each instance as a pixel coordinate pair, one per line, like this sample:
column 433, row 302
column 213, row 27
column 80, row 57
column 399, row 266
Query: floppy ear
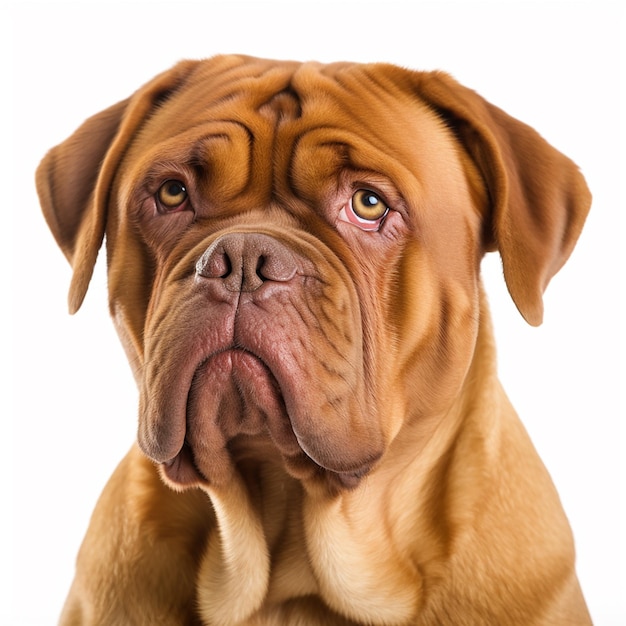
column 74, row 178
column 539, row 199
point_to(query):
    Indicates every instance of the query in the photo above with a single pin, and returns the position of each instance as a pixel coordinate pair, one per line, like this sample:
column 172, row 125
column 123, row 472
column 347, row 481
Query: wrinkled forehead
column 250, row 91
column 258, row 116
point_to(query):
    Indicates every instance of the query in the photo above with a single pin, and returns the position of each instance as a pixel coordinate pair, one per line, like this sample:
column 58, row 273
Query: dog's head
column 294, row 251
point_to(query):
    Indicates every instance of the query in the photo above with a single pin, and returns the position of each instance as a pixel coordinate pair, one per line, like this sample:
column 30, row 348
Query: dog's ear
column 539, row 199
column 74, row 178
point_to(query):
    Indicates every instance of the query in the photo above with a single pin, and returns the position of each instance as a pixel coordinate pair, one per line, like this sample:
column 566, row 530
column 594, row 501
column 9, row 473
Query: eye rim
column 350, row 215
column 169, row 205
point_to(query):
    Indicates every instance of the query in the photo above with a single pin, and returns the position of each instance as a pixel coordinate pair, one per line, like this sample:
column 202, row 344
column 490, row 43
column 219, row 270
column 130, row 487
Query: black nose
column 245, row 261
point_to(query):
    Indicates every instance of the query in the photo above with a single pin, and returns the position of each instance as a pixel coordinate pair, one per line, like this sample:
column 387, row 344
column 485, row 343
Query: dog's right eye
column 366, row 209
column 172, row 196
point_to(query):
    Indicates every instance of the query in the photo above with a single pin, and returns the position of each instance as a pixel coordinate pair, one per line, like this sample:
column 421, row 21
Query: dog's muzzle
column 260, row 345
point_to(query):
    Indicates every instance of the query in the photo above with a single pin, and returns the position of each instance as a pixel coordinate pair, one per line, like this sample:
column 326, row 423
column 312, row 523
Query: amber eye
column 368, row 206
column 172, row 195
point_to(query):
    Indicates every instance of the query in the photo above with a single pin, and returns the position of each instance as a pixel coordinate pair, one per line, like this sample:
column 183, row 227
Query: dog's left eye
column 171, row 196
column 366, row 209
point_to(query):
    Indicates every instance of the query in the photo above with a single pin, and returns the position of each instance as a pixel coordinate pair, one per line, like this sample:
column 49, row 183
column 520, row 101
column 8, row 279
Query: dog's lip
column 163, row 439
column 182, row 471
column 182, row 468
column 201, row 452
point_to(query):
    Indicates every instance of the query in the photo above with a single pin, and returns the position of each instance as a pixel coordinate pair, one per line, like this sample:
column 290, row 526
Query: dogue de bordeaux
column 293, row 268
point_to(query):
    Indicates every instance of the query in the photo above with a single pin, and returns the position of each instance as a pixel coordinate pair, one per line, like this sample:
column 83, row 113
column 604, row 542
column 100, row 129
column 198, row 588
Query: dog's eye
column 366, row 209
column 172, row 196
column 368, row 206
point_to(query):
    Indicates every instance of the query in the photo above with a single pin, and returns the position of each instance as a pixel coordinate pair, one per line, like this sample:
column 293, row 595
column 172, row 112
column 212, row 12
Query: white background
column 68, row 399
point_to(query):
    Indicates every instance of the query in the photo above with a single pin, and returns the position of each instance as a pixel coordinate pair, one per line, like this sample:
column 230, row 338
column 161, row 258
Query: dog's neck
column 281, row 539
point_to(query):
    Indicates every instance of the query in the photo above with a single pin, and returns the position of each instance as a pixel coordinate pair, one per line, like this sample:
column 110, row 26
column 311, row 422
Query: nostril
column 225, row 267
column 214, row 263
column 278, row 264
column 259, row 268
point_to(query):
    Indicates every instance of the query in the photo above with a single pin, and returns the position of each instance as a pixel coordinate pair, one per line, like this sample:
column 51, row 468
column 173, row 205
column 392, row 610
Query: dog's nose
column 245, row 261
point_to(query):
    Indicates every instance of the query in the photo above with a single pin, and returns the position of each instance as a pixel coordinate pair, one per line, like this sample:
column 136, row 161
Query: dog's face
column 294, row 254
column 306, row 267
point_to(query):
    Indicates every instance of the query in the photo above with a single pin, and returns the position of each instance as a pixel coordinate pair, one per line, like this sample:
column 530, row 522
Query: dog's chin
column 236, row 413
column 182, row 473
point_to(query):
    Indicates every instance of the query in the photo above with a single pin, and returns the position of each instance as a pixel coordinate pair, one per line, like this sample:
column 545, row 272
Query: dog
column 294, row 259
